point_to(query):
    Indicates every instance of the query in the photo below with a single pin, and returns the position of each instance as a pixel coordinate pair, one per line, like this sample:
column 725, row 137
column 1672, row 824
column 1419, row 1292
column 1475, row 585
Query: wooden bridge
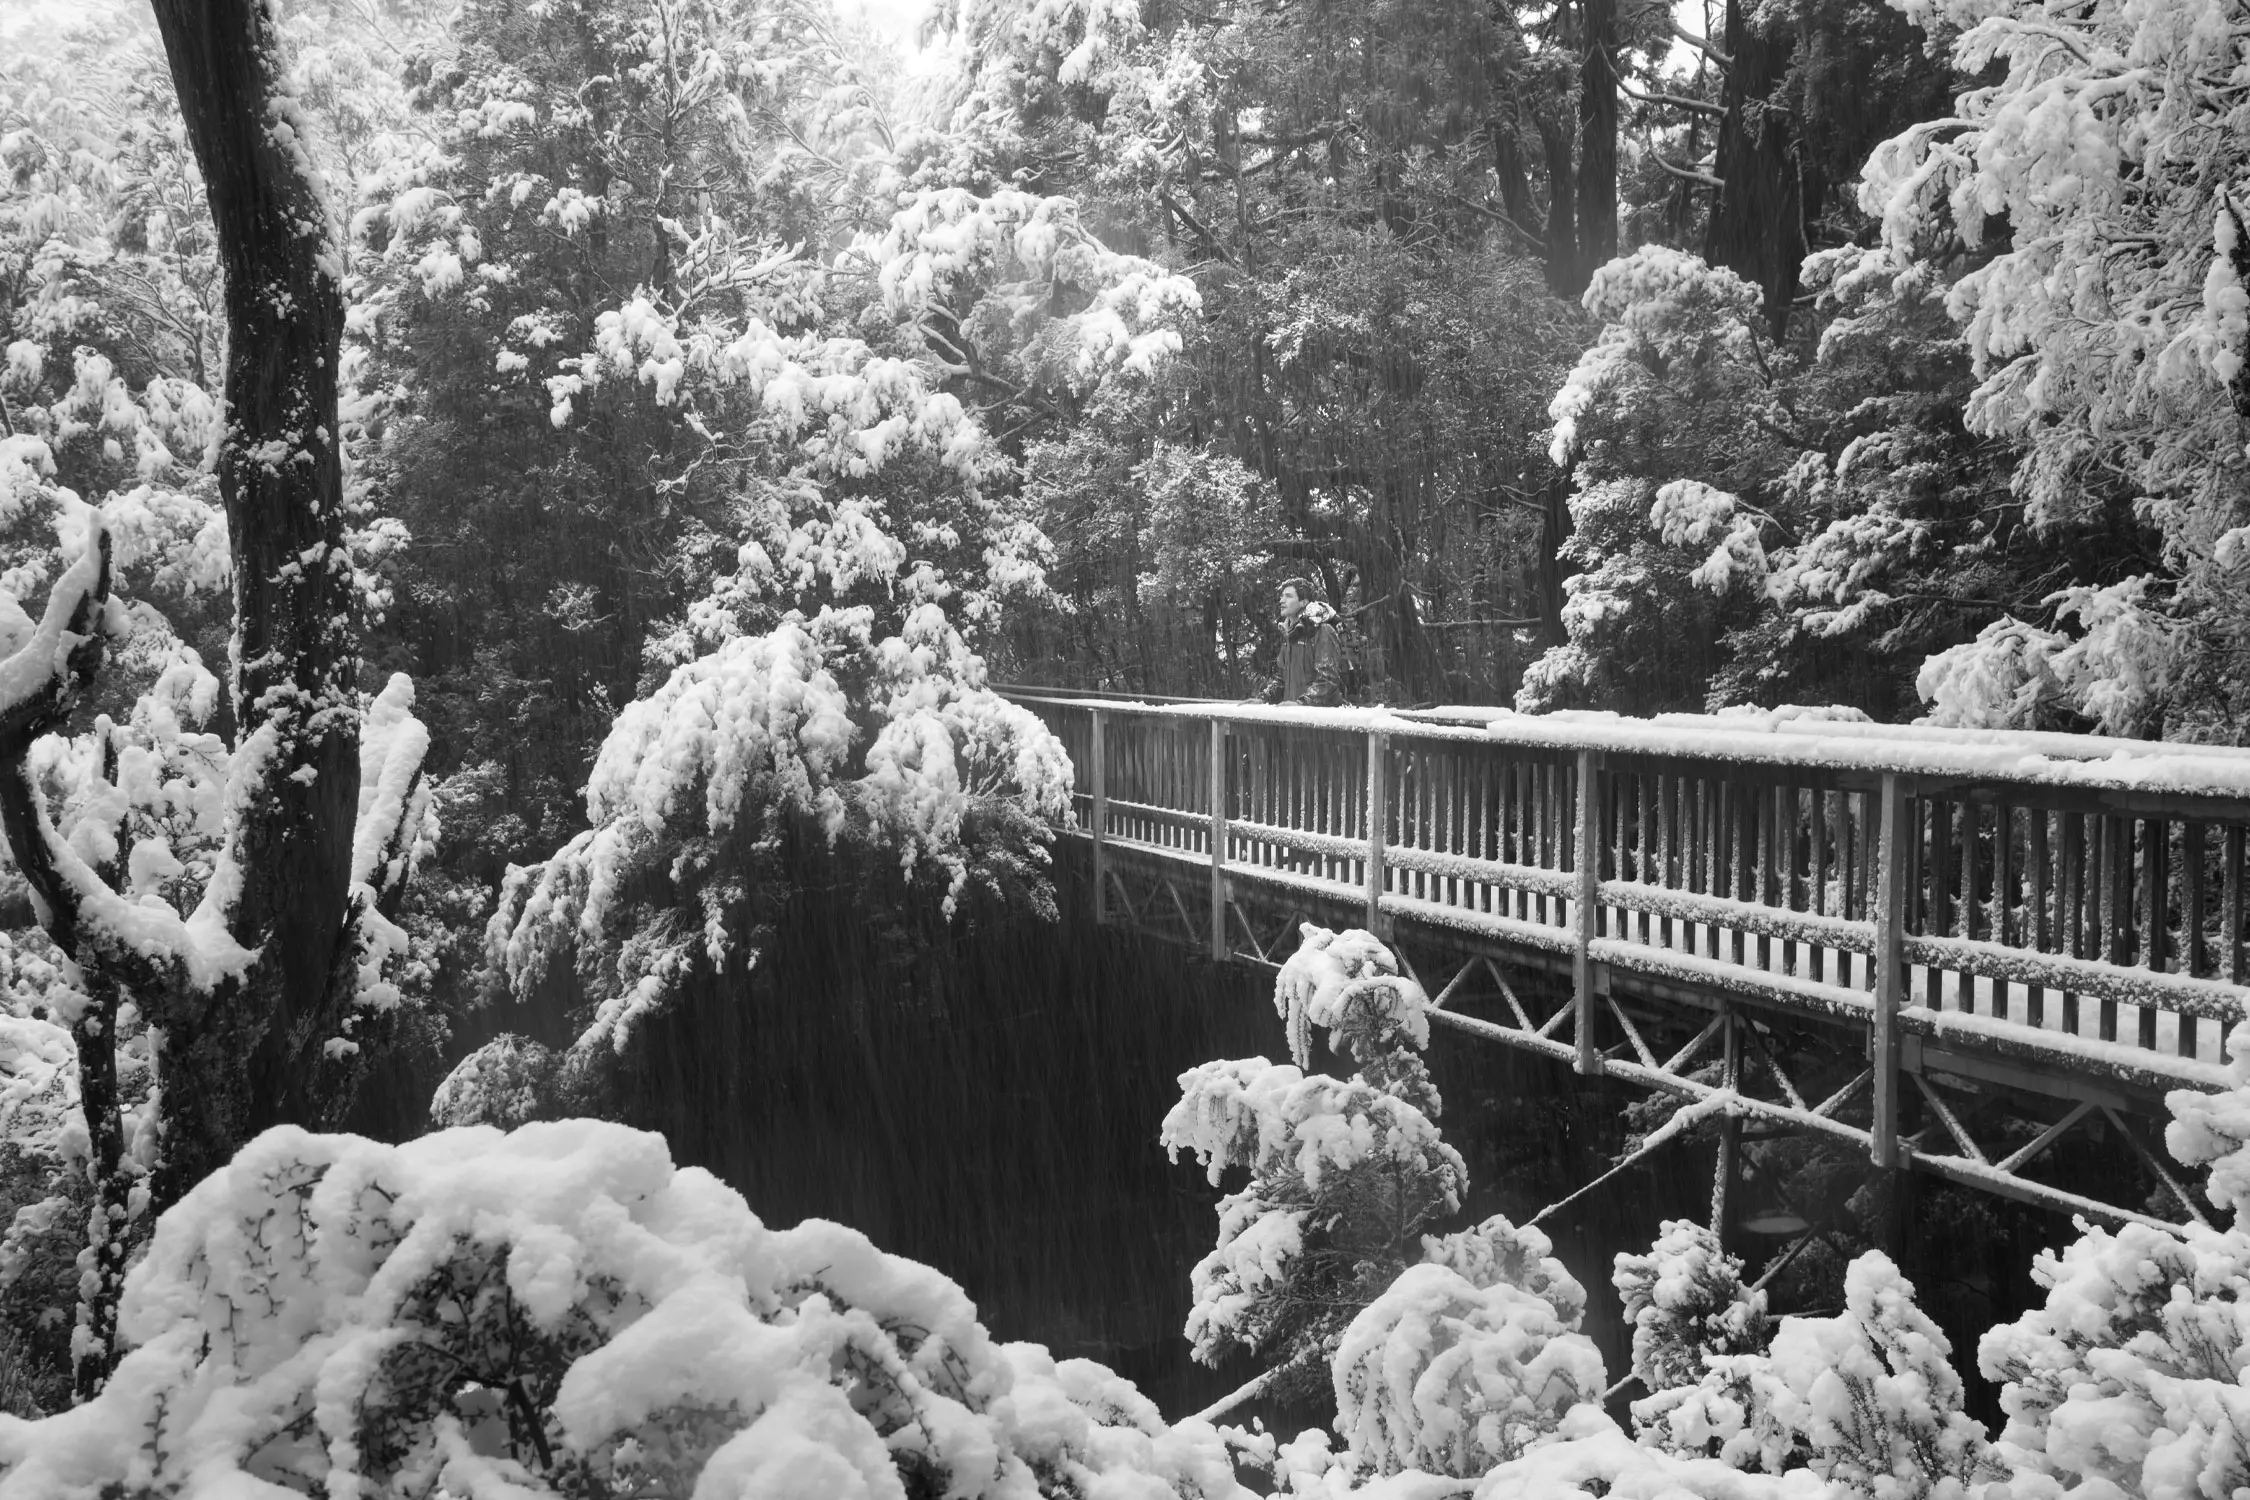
column 2010, row 937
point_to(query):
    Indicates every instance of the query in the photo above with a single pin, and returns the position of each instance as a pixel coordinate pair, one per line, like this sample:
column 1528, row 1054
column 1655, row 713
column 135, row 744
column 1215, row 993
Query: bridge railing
column 2045, row 896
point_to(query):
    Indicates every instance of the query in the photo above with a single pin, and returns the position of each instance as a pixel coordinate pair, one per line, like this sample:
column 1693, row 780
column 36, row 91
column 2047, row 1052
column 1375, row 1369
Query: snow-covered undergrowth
column 562, row 1312
column 1460, row 1370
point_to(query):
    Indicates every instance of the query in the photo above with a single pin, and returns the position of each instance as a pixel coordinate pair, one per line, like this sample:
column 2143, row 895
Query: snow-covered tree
column 562, row 1312
column 1467, row 1360
column 1805, row 520
column 1687, row 1305
column 712, row 793
column 2128, row 1379
column 2098, row 163
column 1344, row 1176
column 659, row 278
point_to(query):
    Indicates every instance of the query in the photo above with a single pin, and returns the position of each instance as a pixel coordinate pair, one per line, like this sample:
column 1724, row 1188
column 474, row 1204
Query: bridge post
column 1727, row 1166
column 1891, row 855
column 1101, row 817
column 1378, row 823
column 1219, row 946
column 1586, row 851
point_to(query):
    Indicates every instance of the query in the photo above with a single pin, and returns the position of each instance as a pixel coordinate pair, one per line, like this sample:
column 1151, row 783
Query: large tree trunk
column 1757, row 225
column 1561, row 228
column 246, row 1056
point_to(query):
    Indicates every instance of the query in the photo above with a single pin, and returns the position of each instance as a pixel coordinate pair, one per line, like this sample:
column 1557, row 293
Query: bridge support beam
column 1378, row 826
column 1220, row 949
column 1586, row 854
column 1889, row 962
column 1100, row 776
column 1728, row 1166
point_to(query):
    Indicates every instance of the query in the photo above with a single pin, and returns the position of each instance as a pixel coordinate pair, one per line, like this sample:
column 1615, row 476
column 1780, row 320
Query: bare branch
column 1686, row 174
column 1702, row 45
column 1673, row 101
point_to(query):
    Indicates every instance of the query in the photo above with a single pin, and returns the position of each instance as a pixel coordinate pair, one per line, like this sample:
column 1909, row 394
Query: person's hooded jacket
column 1310, row 665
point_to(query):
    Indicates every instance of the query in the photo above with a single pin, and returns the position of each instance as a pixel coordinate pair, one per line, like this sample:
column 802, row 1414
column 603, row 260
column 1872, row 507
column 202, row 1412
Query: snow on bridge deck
column 2050, row 916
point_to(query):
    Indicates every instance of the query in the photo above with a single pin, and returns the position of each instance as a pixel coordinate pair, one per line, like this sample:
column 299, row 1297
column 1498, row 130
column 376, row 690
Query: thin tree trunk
column 1554, row 530
column 103, row 1284
column 1597, row 141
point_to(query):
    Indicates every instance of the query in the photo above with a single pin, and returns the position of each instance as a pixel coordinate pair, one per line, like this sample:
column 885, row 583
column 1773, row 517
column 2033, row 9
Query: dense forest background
column 532, row 523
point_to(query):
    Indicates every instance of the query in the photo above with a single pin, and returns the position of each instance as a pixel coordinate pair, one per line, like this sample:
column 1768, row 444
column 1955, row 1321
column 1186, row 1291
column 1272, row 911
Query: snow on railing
column 2070, row 901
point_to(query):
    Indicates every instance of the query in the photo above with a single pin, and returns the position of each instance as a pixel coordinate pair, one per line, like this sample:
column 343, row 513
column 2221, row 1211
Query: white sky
column 895, row 18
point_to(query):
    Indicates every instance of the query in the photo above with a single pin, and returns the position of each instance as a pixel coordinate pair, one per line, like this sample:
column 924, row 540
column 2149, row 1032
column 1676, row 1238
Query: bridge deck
column 2054, row 915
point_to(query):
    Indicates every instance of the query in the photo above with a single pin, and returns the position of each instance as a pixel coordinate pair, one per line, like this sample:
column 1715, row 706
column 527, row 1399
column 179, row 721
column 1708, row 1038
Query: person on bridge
column 1310, row 664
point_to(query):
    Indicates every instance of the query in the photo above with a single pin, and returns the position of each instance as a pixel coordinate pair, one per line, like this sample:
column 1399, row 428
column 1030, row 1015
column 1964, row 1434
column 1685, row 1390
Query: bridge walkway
column 2012, row 936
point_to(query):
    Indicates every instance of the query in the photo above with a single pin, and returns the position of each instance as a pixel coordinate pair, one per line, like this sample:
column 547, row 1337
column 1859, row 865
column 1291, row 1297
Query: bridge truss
column 2022, row 936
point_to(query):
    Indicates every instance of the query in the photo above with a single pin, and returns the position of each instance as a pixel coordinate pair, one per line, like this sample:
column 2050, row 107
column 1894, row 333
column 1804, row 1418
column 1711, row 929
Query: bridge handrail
column 1936, row 882
column 1780, row 738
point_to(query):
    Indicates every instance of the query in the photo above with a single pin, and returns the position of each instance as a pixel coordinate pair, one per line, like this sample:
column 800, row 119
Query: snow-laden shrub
column 1686, row 1304
column 816, row 734
column 1343, row 1177
column 1349, row 983
column 1497, row 1251
column 2129, row 1380
column 1466, row 1360
column 1868, row 1400
column 562, row 1312
column 509, row 1081
column 2213, row 1130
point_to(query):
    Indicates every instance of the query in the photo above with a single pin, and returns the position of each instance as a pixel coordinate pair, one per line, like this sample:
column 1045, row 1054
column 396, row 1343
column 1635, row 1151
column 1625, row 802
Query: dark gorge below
column 985, row 1097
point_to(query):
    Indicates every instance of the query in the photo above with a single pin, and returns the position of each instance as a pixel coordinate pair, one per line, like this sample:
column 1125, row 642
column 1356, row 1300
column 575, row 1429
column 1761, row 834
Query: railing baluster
column 2038, row 932
column 1972, row 863
column 2156, row 890
column 2115, row 853
column 2072, row 912
column 2231, row 893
